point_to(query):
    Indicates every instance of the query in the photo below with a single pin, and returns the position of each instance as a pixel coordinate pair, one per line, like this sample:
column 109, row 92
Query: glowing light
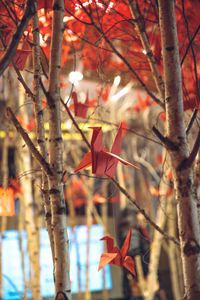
column 117, row 80
column 144, row 51
column 75, row 77
column 122, row 93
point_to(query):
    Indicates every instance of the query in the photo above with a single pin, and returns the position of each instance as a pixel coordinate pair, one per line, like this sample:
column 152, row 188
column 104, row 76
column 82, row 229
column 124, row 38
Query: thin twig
column 187, row 162
column 142, row 211
column 195, row 112
column 140, row 27
column 166, row 142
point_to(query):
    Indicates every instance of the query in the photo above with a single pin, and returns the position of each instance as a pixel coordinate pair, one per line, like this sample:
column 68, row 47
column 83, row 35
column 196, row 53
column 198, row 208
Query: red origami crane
column 80, row 109
column 117, row 257
column 102, row 161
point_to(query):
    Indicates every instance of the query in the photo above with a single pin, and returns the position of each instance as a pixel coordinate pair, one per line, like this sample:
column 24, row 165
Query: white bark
column 40, row 132
column 183, row 178
column 61, row 250
column 26, row 184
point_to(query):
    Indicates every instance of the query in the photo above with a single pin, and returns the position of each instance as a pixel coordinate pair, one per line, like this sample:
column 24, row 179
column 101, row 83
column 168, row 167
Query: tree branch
column 11, row 50
column 28, row 142
column 187, row 162
column 142, row 211
column 166, row 141
column 140, row 27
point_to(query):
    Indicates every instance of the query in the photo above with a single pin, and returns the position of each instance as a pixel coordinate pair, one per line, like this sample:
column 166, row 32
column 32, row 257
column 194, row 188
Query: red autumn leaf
column 46, row 4
column 102, row 161
column 117, row 257
column 22, row 55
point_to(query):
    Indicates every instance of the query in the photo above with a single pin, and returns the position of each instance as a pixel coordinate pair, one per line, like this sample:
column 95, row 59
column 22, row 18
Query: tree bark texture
column 183, row 178
column 61, row 245
column 39, row 117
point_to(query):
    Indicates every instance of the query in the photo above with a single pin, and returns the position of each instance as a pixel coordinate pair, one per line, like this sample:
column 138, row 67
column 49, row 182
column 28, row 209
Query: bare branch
column 187, row 163
column 142, row 211
column 166, row 141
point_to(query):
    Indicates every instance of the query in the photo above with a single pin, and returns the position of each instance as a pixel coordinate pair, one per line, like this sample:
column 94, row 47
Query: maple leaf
column 117, row 257
column 102, row 161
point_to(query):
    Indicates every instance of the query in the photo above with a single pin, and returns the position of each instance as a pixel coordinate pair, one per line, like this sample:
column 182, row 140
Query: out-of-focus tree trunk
column 104, row 209
column 3, row 224
column 59, row 226
column 157, row 241
column 25, row 167
column 40, row 132
column 182, row 168
column 89, row 206
column 172, row 251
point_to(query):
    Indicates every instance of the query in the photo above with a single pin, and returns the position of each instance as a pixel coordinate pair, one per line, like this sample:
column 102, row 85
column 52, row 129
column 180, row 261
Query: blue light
column 13, row 286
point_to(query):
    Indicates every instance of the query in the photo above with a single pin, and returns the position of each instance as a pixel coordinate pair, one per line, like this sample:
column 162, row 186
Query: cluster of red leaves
column 91, row 25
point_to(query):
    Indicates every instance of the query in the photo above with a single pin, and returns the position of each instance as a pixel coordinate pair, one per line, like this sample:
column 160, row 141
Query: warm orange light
column 7, row 204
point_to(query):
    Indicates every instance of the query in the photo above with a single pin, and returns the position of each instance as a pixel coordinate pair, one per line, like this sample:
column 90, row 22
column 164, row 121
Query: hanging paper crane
column 102, row 161
column 117, row 257
column 80, row 109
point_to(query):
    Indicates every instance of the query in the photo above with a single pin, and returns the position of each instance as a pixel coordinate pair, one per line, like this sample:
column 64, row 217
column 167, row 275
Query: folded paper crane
column 102, row 161
column 117, row 257
column 80, row 109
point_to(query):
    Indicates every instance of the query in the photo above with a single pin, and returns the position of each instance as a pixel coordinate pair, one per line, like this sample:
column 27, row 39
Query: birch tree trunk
column 40, row 132
column 26, row 183
column 172, row 252
column 179, row 152
column 59, row 226
column 4, row 169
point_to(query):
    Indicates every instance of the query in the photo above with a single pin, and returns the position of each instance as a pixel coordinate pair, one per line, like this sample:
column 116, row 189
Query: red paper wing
column 21, row 57
column 109, row 242
column 106, row 258
column 80, row 110
column 101, row 163
column 129, row 265
column 116, row 148
column 122, row 160
column 87, row 99
column 85, row 162
column 96, row 146
column 126, row 244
